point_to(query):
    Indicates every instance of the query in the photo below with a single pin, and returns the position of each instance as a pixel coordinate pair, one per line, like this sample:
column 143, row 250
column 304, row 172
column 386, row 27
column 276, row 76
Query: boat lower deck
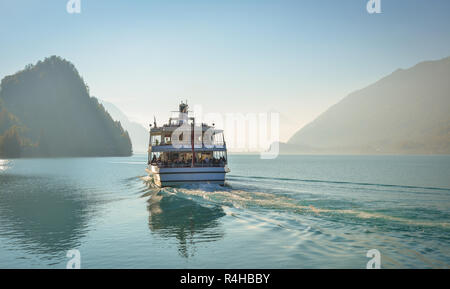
column 187, row 175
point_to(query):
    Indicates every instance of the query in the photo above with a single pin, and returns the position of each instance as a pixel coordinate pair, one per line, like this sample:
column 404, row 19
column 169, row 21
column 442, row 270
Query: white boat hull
column 164, row 177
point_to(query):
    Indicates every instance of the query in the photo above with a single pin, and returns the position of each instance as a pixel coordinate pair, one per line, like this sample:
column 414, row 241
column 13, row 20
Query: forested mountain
column 10, row 127
column 408, row 111
column 47, row 109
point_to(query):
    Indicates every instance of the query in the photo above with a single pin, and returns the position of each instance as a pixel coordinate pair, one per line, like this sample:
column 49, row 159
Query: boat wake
column 244, row 198
column 337, row 182
column 313, row 218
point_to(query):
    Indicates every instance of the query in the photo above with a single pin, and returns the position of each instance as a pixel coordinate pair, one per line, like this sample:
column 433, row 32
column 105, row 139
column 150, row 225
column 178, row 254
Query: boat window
column 218, row 138
column 155, row 140
column 184, row 159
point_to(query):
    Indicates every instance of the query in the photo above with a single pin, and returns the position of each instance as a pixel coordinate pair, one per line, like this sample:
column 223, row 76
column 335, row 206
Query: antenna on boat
column 183, row 108
column 154, row 121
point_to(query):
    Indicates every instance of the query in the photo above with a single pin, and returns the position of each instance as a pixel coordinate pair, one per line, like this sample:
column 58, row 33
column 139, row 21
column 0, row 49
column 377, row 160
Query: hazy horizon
column 297, row 58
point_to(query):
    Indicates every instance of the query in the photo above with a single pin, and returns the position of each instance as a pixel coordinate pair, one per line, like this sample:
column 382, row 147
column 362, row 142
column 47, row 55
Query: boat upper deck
column 183, row 143
column 182, row 134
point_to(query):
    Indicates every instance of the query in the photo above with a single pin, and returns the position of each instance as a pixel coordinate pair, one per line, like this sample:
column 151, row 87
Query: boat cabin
column 183, row 143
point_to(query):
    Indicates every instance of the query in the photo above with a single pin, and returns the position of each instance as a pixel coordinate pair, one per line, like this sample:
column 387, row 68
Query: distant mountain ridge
column 139, row 135
column 51, row 114
column 406, row 112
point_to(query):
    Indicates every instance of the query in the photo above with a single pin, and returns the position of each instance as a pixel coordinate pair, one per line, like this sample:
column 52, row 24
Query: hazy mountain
column 57, row 116
column 405, row 112
column 138, row 133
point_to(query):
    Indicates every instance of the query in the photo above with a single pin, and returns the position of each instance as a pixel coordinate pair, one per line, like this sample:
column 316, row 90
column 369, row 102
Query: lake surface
column 291, row 212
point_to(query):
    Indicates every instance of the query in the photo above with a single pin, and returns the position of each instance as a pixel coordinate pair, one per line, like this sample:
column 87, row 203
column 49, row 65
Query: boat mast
column 192, row 142
column 184, row 117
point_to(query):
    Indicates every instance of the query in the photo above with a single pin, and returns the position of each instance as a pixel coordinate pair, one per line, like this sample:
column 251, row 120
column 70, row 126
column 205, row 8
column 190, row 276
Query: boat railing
column 188, row 165
column 169, row 143
column 204, row 145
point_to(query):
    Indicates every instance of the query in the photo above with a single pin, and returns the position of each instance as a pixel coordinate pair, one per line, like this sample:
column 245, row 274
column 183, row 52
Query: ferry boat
column 184, row 152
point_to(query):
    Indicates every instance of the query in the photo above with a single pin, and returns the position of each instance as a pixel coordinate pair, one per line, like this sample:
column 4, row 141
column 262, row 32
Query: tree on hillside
column 10, row 143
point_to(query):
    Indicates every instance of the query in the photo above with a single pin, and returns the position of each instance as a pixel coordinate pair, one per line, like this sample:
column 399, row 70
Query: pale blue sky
column 296, row 57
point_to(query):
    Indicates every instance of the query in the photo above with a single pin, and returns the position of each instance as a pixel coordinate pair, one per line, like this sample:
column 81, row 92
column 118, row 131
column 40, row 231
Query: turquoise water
column 292, row 212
